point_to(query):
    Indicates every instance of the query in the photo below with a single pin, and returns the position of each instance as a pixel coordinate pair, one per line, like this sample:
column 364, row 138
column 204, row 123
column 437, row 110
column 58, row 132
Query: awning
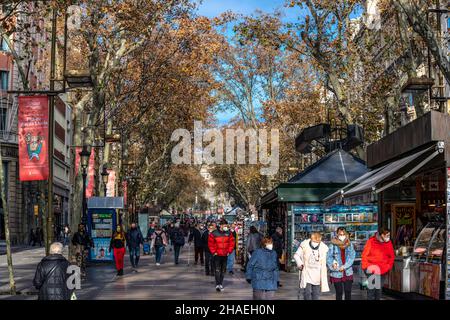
column 105, row 203
column 370, row 183
column 354, row 182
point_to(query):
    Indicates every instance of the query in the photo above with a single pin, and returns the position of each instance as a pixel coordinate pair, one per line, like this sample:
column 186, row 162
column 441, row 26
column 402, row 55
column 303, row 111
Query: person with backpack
column 340, row 259
column 178, row 241
column 159, row 242
column 196, row 236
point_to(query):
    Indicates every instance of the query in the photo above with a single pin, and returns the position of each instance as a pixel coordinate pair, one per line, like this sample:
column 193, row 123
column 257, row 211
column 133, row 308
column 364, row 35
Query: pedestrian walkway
column 167, row 281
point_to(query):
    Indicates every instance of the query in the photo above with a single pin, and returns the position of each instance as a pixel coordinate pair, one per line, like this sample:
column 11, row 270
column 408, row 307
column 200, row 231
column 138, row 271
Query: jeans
column 343, row 287
column 176, row 250
column 66, row 240
column 134, row 256
column 220, row 265
column 263, row 294
column 312, row 292
column 159, row 250
column 375, row 293
column 198, row 252
column 230, row 261
column 209, row 262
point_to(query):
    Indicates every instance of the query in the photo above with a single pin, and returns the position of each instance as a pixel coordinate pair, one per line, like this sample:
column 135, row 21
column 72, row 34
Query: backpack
column 158, row 239
column 179, row 238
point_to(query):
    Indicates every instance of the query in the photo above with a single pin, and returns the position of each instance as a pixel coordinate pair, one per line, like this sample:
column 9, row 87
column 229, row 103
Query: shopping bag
column 301, row 291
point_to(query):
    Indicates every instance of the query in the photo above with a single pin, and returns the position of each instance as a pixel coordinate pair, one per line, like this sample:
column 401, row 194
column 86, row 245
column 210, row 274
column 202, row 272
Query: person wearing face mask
column 178, row 241
column 263, row 272
column 311, row 259
column 377, row 260
column 118, row 246
column 340, row 259
column 221, row 244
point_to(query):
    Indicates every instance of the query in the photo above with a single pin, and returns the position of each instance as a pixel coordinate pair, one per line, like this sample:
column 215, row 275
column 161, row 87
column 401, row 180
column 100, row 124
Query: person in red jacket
column 377, row 260
column 221, row 244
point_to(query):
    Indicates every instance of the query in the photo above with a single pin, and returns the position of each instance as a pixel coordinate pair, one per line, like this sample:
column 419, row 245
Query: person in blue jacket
column 263, row 272
column 340, row 259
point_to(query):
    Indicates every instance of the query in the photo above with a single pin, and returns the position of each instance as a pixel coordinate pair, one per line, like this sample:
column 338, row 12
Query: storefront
column 409, row 182
column 297, row 206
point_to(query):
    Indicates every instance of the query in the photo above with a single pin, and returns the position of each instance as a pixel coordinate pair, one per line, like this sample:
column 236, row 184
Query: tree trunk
column 12, row 285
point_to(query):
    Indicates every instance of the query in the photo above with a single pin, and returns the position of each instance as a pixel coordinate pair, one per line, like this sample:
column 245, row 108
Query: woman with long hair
column 118, row 245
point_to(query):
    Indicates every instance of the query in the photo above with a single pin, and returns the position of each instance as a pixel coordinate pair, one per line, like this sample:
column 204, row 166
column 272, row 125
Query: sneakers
column 218, row 288
column 221, row 288
column 158, row 264
column 120, row 272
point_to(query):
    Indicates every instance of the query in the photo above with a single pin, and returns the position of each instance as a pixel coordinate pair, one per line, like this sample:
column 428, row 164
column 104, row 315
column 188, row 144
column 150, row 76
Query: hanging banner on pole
column 125, row 191
column 33, row 138
column 90, row 171
column 111, row 185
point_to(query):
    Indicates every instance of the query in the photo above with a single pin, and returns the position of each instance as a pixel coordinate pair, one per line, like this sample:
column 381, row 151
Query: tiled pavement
column 168, row 281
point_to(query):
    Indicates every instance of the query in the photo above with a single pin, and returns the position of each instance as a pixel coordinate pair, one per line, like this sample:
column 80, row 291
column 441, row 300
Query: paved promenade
column 168, row 281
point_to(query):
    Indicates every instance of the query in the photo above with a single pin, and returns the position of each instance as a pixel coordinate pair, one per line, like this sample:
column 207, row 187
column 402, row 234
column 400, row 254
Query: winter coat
column 254, row 241
column 221, row 243
column 278, row 244
column 134, row 238
column 82, row 238
column 50, row 278
column 334, row 254
column 177, row 237
column 196, row 235
column 163, row 237
column 262, row 270
column 117, row 240
column 378, row 255
column 301, row 258
column 205, row 237
column 150, row 233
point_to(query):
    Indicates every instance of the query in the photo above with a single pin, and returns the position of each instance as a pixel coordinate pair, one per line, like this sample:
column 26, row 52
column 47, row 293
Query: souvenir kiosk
column 103, row 217
column 410, row 182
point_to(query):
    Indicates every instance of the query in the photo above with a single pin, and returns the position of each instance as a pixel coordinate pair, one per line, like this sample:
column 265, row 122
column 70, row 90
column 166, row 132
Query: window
column 4, row 80
column 3, row 119
column 3, row 45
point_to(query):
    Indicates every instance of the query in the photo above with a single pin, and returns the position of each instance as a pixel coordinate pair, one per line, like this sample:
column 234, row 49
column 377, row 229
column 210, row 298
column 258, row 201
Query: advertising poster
column 102, row 225
column 111, row 185
column 33, row 138
column 90, row 173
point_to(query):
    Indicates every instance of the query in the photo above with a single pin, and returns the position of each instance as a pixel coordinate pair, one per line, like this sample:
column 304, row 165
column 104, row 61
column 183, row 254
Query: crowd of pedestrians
column 215, row 245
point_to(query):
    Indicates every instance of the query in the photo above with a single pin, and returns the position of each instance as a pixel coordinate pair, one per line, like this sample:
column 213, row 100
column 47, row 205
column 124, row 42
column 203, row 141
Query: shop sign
column 33, row 138
column 404, row 215
column 8, row 152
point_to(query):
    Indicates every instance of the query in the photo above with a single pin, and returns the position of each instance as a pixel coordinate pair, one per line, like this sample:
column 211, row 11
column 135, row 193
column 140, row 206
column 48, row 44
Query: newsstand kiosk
column 103, row 218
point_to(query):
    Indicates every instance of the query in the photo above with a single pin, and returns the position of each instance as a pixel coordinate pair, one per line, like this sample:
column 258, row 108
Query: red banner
column 33, row 138
column 91, row 170
column 125, row 191
column 111, row 185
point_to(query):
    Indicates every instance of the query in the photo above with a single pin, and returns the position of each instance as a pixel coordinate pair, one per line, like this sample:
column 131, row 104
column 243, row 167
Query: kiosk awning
column 370, row 183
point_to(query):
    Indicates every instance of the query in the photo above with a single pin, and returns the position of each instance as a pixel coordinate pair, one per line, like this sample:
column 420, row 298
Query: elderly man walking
column 51, row 275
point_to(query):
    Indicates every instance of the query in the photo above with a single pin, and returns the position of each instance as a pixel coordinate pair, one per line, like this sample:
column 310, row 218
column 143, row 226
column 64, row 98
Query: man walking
column 51, row 275
column 278, row 245
column 82, row 242
column 232, row 256
column 196, row 236
column 178, row 241
column 221, row 244
column 209, row 260
column 134, row 241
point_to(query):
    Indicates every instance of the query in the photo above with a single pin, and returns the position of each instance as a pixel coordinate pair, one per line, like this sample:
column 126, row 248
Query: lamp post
column 105, row 175
column 85, row 154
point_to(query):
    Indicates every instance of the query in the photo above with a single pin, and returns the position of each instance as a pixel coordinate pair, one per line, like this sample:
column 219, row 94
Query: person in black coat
column 278, row 246
column 177, row 238
column 196, row 236
column 134, row 241
column 209, row 261
column 51, row 275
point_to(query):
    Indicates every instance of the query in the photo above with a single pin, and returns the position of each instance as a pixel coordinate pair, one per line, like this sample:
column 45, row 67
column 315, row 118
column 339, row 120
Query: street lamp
column 105, row 175
column 85, row 154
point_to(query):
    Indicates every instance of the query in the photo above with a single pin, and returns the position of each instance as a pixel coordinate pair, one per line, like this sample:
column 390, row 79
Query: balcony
column 9, row 137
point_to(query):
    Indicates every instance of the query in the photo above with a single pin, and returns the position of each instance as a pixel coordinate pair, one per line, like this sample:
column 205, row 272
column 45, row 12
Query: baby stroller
column 146, row 247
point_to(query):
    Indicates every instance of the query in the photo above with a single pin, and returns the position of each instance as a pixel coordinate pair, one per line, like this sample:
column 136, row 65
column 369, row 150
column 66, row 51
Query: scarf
column 341, row 244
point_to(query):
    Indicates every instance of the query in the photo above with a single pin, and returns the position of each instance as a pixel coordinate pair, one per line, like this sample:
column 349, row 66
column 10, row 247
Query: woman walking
column 159, row 242
column 118, row 244
column 311, row 259
column 262, row 271
column 340, row 259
